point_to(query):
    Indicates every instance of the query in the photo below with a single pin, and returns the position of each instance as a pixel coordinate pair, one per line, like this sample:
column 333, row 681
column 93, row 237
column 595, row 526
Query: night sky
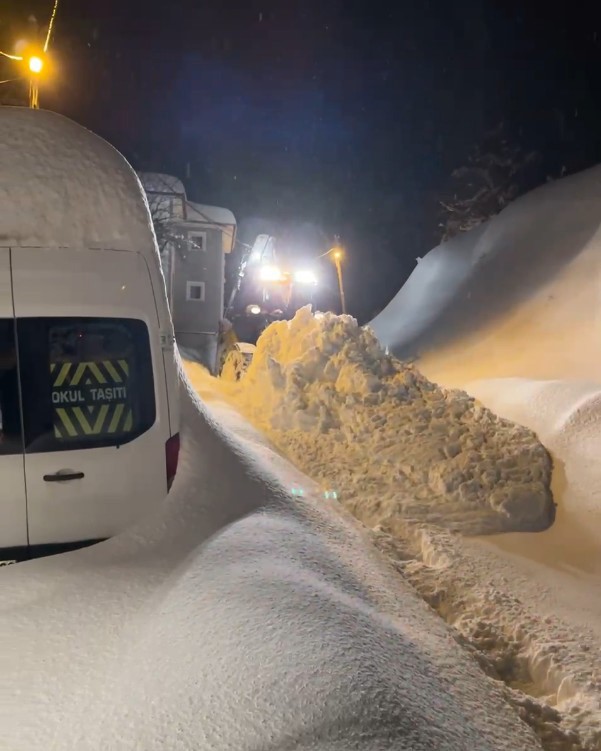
column 326, row 117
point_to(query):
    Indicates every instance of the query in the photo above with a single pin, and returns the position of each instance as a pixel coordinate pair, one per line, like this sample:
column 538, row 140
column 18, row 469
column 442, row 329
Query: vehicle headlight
column 306, row 276
column 270, row 274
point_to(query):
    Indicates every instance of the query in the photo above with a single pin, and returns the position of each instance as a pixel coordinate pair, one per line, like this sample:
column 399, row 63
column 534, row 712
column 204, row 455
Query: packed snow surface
column 384, row 439
column 237, row 616
column 63, row 186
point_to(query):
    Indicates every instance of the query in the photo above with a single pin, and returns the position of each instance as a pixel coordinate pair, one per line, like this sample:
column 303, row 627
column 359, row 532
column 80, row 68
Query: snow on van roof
column 197, row 212
column 63, row 186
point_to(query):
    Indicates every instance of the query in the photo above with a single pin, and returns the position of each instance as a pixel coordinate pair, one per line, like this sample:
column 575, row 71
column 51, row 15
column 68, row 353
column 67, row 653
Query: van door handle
column 64, row 476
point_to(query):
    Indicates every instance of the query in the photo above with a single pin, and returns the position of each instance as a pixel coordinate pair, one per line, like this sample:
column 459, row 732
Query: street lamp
column 35, row 64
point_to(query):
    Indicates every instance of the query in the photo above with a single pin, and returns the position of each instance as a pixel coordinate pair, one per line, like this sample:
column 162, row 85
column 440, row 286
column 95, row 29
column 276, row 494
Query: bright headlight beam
column 305, row 276
column 270, row 274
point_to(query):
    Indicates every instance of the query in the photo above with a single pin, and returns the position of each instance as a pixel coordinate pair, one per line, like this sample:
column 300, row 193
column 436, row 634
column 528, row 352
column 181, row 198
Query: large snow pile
column 389, row 443
column 237, row 617
column 517, row 296
column 510, row 312
column 62, row 186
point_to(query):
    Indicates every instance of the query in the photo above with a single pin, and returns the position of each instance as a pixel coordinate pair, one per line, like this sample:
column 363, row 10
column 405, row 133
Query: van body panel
column 170, row 361
column 97, row 431
column 13, row 505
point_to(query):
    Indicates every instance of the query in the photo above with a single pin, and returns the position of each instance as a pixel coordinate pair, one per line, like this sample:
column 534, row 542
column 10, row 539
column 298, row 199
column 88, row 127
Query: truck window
column 11, row 434
column 86, row 382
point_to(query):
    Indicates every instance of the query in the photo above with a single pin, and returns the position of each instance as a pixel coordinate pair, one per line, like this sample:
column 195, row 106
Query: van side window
column 86, row 382
column 11, row 434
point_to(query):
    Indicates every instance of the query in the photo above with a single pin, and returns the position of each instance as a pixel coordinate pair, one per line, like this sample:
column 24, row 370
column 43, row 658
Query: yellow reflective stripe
column 100, row 419
column 66, row 421
column 79, row 371
column 125, row 365
column 52, row 367
column 111, row 371
column 116, row 418
column 63, row 373
column 82, row 419
column 96, row 372
column 129, row 421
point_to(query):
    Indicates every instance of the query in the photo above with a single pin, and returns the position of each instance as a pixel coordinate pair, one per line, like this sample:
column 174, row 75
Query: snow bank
column 510, row 312
column 566, row 415
column 63, row 186
column 238, row 617
column 384, row 439
column 517, row 296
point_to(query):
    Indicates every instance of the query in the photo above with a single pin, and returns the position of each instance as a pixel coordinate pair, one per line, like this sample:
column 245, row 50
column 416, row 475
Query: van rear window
column 86, row 382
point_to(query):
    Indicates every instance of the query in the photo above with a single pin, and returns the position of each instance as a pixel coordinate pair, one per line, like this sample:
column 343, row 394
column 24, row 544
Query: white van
column 89, row 416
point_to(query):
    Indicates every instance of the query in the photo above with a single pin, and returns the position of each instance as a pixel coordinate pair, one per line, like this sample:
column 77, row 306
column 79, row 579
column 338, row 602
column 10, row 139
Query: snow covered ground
column 550, row 670
column 511, row 313
column 238, row 616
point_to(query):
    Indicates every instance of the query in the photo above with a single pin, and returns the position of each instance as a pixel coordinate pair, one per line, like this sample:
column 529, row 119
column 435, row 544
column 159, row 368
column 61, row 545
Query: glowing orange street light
column 35, row 64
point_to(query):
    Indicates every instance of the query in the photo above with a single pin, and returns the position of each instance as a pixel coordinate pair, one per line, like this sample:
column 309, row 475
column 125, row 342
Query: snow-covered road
column 396, row 449
column 236, row 617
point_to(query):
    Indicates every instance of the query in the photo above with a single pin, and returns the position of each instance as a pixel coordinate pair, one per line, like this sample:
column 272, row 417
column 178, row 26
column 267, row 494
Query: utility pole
column 338, row 262
column 338, row 254
column 34, row 94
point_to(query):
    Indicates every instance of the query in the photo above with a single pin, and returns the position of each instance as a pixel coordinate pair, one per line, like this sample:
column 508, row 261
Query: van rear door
column 94, row 396
column 13, row 509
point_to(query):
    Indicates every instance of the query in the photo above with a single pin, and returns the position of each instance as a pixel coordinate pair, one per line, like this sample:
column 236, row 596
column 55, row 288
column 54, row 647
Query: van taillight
column 171, row 458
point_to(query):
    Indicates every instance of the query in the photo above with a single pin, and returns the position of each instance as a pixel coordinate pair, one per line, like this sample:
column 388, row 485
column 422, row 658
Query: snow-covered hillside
column 519, row 296
column 238, row 617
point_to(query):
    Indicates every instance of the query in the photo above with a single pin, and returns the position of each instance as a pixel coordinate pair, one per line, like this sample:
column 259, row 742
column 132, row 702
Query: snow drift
column 386, row 441
column 517, row 296
column 511, row 312
column 238, row 617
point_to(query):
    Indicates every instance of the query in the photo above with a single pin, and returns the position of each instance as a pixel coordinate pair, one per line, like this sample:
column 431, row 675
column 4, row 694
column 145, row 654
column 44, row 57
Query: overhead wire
column 50, row 26
column 11, row 57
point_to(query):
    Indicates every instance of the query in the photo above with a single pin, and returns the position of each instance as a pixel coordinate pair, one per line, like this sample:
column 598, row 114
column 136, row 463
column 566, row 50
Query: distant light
column 36, row 64
column 254, row 310
column 270, row 274
column 305, row 277
column 337, row 254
